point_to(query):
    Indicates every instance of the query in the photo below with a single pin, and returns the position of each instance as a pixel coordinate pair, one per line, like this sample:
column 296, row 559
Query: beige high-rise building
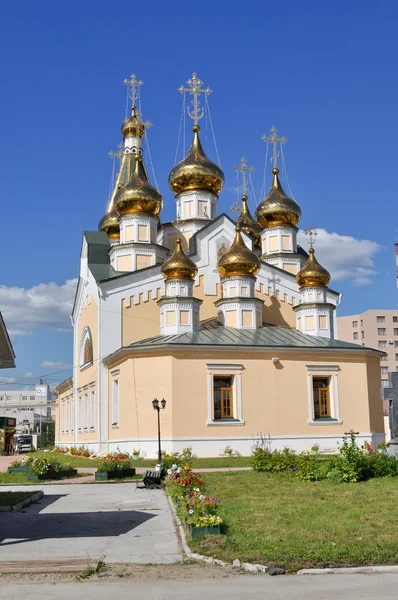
column 374, row 329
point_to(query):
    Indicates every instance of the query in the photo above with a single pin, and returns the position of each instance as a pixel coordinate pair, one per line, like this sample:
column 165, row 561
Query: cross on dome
column 195, row 89
column 311, row 236
column 134, row 86
column 243, row 168
column 274, row 139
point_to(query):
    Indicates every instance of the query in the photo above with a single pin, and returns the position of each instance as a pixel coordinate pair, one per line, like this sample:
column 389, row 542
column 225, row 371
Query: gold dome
column 179, row 265
column 138, row 195
column 312, row 274
column 133, row 126
column 277, row 208
column 246, row 222
column 238, row 259
column 196, row 171
column 110, row 224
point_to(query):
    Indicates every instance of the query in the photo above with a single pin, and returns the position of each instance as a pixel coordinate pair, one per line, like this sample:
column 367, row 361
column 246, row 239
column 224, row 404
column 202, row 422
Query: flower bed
column 105, row 475
column 42, row 468
column 196, row 508
column 354, row 463
column 115, row 466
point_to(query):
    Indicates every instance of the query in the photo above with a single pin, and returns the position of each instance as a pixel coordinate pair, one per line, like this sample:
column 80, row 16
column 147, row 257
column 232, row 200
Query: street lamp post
column 159, row 406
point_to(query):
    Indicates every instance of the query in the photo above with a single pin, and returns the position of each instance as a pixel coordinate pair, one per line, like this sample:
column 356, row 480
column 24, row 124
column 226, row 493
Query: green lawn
column 11, row 498
column 281, row 521
column 79, row 461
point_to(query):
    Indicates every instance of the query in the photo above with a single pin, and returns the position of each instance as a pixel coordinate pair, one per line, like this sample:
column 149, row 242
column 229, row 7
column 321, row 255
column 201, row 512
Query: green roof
column 267, row 336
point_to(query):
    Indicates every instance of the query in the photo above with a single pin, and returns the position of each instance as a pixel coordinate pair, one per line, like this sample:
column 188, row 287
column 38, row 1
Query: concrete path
column 115, row 521
column 249, row 587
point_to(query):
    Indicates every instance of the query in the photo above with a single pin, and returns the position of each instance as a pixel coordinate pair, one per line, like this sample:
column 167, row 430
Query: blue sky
column 323, row 72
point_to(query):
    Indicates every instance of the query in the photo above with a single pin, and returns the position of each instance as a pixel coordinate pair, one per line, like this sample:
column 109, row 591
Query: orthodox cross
column 311, row 235
column 274, row 139
column 195, row 89
column 119, row 153
column 134, row 86
column 244, row 169
column 236, row 207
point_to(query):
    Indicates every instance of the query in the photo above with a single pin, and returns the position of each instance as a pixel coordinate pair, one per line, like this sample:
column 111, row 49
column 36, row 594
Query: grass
column 217, row 462
column 281, row 521
column 11, row 498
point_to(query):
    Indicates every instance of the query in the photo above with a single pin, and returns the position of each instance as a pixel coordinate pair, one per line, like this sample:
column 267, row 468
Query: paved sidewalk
column 115, row 521
column 249, row 587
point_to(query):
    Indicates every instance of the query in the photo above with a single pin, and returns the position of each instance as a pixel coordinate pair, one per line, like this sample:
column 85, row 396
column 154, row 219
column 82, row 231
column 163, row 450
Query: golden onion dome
column 110, row 224
column 179, row 265
column 238, row 259
column 277, row 208
column 246, row 222
column 133, row 126
column 312, row 274
column 138, row 195
column 196, row 171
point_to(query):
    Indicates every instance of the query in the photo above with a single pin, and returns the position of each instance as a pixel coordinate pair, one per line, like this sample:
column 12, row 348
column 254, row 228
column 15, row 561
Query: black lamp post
column 158, row 406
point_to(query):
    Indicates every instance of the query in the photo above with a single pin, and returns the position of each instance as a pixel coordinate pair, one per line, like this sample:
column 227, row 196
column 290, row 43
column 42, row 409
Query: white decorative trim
column 333, row 391
column 236, row 394
column 322, row 368
column 228, row 367
column 325, row 422
column 115, row 372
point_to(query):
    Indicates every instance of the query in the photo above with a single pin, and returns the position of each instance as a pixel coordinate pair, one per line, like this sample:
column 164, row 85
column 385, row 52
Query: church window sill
column 224, row 423
column 324, row 422
column 115, row 425
column 86, row 366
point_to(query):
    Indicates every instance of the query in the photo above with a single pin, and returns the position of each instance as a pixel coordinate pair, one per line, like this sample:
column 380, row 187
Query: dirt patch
column 173, row 572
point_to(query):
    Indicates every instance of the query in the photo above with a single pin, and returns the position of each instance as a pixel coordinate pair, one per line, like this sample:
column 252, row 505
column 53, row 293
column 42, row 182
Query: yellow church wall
column 88, row 318
column 64, row 430
column 274, row 395
column 140, row 381
column 142, row 320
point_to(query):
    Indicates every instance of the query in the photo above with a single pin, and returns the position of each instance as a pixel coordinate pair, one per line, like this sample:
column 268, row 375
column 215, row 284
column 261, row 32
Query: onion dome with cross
column 238, row 259
column 179, row 265
column 312, row 274
column 277, row 208
column 138, row 195
column 196, row 171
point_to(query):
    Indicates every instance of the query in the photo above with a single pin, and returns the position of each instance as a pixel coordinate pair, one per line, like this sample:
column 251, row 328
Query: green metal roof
column 267, row 336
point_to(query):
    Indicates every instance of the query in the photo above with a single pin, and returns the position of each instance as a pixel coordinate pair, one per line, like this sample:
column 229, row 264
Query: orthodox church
column 232, row 323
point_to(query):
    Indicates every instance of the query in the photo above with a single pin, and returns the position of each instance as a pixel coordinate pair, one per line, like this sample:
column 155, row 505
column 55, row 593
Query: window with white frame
column 92, row 411
column 73, row 415
column 79, row 413
column 224, row 391
column 85, row 411
column 63, row 418
column 115, row 402
column 323, row 395
column 86, row 349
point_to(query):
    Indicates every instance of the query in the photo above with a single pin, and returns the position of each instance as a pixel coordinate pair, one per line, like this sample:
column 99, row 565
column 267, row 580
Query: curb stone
column 19, row 505
column 350, row 570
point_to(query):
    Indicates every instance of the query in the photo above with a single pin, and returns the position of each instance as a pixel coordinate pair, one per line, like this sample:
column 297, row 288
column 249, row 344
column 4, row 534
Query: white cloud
column 7, row 380
column 48, row 364
column 345, row 257
column 28, row 375
column 46, row 305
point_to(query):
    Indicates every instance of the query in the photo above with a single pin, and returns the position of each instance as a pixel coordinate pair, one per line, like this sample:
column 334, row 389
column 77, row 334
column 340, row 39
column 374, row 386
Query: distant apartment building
column 31, row 407
column 374, row 329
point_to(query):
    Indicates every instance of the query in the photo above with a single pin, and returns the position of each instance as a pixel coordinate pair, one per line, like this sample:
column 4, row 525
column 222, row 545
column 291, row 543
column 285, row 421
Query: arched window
column 86, row 348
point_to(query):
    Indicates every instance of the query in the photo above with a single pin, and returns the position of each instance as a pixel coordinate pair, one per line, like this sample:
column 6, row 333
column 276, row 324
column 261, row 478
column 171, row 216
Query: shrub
column 177, row 459
column 115, row 462
column 352, row 465
column 46, row 466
